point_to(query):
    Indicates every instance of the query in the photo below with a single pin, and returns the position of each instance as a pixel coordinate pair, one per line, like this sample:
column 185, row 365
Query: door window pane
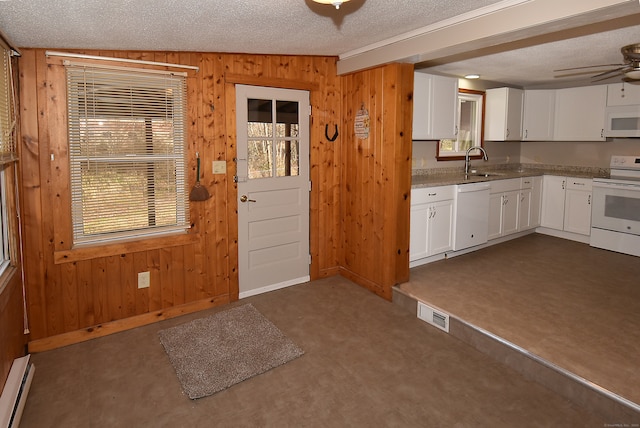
column 287, row 158
column 260, row 116
column 260, row 158
column 287, row 119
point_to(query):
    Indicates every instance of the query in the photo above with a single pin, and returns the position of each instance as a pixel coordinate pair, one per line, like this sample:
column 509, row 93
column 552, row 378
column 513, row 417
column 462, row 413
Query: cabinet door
column 440, row 230
column 579, row 113
column 623, row 94
column 510, row 203
column 577, row 212
column 418, row 231
column 538, row 114
column 524, row 210
column 535, row 207
column 553, row 202
column 435, row 107
column 503, row 114
column 495, row 216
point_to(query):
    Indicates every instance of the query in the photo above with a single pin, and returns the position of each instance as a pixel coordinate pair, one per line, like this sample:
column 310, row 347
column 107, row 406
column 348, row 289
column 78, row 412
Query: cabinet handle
column 563, row 184
column 602, row 133
column 578, row 184
column 526, row 133
column 589, row 200
column 432, row 194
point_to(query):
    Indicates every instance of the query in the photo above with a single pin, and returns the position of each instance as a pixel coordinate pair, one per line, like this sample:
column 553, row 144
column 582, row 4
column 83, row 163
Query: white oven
column 615, row 209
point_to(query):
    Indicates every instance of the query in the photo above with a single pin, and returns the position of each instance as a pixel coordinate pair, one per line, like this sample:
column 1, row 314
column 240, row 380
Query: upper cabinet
column 580, row 113
column 538, row 114
column 435, row 107
column 503, row 114
column 623, row 94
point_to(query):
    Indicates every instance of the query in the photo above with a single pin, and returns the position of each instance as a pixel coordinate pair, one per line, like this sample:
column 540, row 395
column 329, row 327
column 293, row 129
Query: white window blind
column 7, row 122
column 127, row 152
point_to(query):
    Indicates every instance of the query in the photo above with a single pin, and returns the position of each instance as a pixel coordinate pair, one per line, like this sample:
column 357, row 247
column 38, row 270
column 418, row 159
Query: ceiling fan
column 630, row 68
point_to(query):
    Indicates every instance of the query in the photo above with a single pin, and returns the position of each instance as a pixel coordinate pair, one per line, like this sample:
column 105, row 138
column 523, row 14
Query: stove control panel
column 625, row 162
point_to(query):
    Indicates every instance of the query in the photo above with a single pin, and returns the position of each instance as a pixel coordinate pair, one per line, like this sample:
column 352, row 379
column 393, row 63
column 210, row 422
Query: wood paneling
column 75, row 294
column 359, row 200
column 376, row 178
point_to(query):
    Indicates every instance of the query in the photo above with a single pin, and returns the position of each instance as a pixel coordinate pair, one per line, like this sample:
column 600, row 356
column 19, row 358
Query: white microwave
column 622, row 121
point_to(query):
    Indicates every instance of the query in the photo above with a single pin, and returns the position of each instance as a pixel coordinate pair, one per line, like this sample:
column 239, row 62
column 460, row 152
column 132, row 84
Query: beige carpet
column 211, row 354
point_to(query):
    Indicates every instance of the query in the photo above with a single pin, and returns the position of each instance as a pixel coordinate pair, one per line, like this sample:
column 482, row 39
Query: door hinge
column 310, row 110
column 309, row 258
column 309, row 185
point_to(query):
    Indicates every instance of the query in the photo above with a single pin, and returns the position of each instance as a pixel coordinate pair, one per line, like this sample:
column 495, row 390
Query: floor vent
column 433, row 316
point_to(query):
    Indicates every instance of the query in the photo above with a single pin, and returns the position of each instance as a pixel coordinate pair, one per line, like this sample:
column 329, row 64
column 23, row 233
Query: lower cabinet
column 504, row 201
column 530, row 203
column 431, row 223
column 566, row 204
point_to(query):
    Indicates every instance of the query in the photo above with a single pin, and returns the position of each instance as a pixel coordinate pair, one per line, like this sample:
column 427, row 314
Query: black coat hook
column 326, row 133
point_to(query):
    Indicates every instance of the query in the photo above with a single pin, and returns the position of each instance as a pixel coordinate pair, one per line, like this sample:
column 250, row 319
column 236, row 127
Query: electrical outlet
column 144, row 279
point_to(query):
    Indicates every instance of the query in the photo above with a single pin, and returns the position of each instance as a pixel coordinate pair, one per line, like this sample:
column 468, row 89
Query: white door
column 273, row 188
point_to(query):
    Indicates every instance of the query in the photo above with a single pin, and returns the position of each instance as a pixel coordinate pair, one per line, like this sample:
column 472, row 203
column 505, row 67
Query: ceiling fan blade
column 616, row 70
column 589, row 66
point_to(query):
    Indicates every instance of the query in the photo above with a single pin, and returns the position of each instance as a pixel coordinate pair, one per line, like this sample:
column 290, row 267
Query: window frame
column 460, row 155
column 123, row 162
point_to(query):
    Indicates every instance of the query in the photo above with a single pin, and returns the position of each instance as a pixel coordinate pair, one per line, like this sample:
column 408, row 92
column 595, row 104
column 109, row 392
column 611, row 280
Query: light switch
column 219, row 167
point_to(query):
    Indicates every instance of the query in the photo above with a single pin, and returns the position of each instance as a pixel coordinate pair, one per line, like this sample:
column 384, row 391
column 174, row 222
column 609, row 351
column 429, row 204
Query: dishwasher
column 471, row 215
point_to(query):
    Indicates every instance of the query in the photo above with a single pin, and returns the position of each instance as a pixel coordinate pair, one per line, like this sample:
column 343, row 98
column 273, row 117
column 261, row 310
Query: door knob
column 244, row 198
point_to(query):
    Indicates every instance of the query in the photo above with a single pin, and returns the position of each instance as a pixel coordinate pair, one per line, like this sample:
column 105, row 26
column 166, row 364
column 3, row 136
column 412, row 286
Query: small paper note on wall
column 362, row 123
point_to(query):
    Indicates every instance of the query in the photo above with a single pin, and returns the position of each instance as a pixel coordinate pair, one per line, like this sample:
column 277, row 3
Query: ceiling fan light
column 336, row 3
column 634, row 73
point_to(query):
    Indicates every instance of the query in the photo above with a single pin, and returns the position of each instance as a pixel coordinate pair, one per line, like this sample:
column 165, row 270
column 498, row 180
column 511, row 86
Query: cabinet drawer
column 579, row 183
column 526, row 182
column 432, row 194
column 501, row 186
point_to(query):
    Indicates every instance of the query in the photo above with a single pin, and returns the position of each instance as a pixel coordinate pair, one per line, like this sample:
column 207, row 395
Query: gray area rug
column 211, row 354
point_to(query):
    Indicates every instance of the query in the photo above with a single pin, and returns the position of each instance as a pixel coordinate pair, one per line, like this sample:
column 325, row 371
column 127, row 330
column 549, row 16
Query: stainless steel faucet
column 467, row 160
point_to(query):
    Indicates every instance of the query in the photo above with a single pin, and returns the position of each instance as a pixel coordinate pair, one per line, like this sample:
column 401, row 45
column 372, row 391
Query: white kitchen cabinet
column 538, row 114
column 435, row 107
column 623, row 94
column 553, row 191
column 535, row 207
column 431, row 224
column 566, row 204
column 577, row 206
column 503, row 114
column 504, row 202
column 580, row 113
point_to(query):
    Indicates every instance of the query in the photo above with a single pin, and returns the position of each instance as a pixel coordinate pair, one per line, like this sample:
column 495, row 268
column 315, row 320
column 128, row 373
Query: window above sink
column 470, row 127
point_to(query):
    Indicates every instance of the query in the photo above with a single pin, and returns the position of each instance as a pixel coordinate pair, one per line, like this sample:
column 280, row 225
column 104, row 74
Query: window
column 127, row 152
column 470, row 126
column 272, row 154
column 7, row 151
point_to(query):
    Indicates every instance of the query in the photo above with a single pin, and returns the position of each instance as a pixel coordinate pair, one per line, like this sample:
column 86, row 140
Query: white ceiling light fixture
column 472, row 76
column 336, row 3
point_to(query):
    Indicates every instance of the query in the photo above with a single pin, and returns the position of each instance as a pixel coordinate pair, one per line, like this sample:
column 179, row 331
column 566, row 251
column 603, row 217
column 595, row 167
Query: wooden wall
column 376, row 178
column 359, row 199
column 12, row 338
column 75, row 294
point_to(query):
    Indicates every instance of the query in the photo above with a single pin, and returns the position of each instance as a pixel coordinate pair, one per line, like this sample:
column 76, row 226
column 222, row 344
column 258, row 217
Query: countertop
column 449, row 176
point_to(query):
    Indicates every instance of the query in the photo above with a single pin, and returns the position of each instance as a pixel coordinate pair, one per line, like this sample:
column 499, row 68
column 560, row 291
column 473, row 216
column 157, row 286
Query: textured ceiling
column 244, row 26
column 300, row 27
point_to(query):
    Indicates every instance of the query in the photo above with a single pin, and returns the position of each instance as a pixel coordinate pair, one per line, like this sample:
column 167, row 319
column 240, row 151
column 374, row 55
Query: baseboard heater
column 14, row 394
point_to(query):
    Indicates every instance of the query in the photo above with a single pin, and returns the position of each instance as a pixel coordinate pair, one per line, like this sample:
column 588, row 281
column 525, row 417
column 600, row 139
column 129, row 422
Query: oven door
column 616, row 207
